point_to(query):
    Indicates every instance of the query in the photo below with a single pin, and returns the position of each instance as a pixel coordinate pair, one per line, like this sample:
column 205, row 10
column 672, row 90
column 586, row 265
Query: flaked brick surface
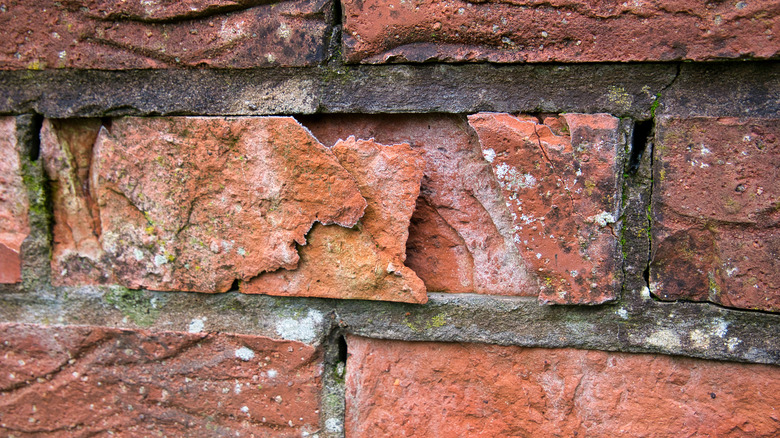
column 426, row 389
column 460, row 238
column 188, row 203
column 716, row 211
column 559, row 179
column 82, row 381
column 14, row 204
column 366, row 262
column 379, row 31
column 117, row 35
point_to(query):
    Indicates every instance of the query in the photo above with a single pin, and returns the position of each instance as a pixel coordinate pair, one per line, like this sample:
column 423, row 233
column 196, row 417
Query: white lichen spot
column 196, row 326
column 304, row 329
column 700, row 340
column 704, row 150
column 272, row 374
column 270, row 58
column 489, row 155
column 284, row 31
column 602, row 219
column 237, row 389
column 731, row 271
column 138, row 254
column 333, row 425
column 245, row 354
column 245, row 409
column 538, row 255
column 574, row 274
column 623, row 313
column 160, row 260
column 732, row 344
column 665, row 338
column 720, row 327
column 241, row 251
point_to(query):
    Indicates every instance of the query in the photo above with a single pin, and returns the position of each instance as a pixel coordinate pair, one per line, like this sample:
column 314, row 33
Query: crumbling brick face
column 14, row 204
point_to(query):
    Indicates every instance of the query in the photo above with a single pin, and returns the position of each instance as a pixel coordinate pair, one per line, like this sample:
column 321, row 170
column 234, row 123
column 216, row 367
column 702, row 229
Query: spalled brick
column 114, row 35
column 366, row 262
column 14, row 204
column 716, row 211
column 377, row 31
column 80, row 381
column 460, row 237
column 189, row 203
column 559, row 178
column 436, row 389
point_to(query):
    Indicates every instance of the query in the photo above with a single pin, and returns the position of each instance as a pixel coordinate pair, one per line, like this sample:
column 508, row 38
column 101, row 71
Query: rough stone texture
column 14, row 205
column 366, row 262
column 437, row 389
column 113, row 35
column 80, row 381
column 377, row 31
column 191, row 203
column 459, row 196
column 716, row 206
column 619, row 89
column 559, row 178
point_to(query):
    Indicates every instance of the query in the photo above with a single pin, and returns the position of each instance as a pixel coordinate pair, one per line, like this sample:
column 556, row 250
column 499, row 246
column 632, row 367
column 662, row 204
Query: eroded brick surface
column 461, row 234
column 559, row 179
column 377, row 31
column 189, row 203
column 14, row 205
column 425, row 389
column 114, row 35
column 80, row 381
column 716, row 211
column 366, row 262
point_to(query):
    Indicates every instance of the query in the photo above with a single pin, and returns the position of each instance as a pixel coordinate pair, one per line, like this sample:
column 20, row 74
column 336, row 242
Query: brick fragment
column 113, row 35
column 460, row 237
column 716, row 211
column 426, row 389
column 189, row 203
column 559, row 178
column 366, row 262
column 96, row 380
column 379, row 31
column 14, row 204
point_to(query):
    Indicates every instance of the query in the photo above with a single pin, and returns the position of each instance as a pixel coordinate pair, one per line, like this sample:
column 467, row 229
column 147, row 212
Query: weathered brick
column 559, row 178
column 189, row 203
column 716, row 211
column 377, row 31
column 82, row 381
column 461, row 231
column 14, row 205
column 114, row 35
column 424, row 389
column 366, row 262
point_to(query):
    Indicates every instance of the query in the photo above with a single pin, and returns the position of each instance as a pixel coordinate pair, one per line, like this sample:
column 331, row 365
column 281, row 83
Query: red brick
column 436, row 389
column 189, row 203
column 14, row 205
column 460, row 237
column 113, row 35
column 716, row 199
column 559, row 180
column 366, row 262
column 377, row 31
column 79, row 381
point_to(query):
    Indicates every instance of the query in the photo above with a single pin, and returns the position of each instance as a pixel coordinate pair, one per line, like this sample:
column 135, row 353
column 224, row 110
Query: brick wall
column 389, row 218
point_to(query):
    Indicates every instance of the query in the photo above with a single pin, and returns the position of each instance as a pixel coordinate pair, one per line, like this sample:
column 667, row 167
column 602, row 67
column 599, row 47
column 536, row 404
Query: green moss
column 435, row 322
column 134, row 304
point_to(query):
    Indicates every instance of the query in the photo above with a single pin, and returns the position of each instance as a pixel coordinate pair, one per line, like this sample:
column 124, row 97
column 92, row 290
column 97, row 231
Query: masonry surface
column 360, row 218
